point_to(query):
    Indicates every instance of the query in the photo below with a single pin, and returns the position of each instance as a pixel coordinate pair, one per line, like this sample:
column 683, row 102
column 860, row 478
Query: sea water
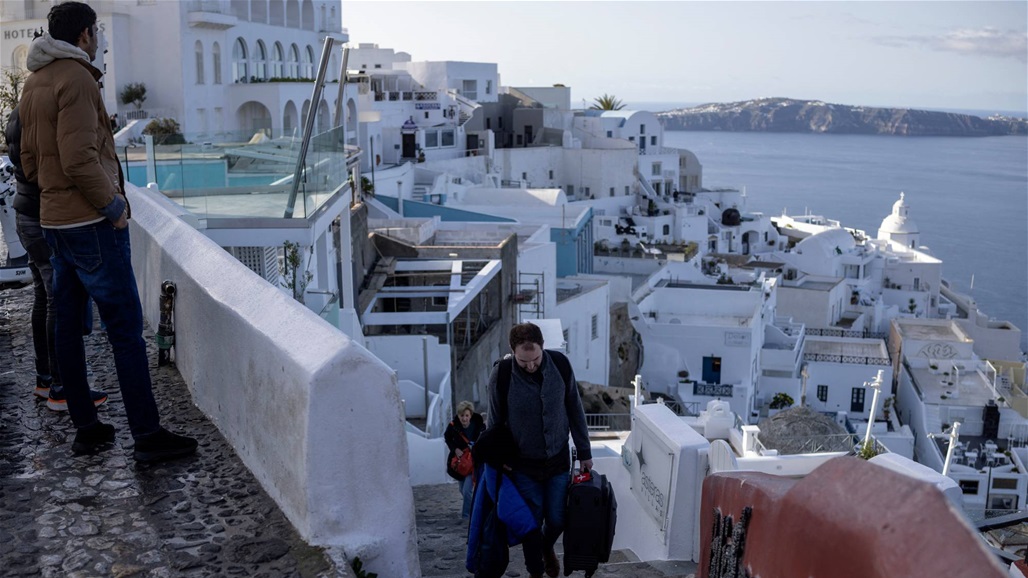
column 968, row 196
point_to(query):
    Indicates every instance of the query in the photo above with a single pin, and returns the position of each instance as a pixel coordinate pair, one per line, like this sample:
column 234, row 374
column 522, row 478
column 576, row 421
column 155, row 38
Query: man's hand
column 117, row 211
column 458, row 452
column 587, row 465
column 122, row 221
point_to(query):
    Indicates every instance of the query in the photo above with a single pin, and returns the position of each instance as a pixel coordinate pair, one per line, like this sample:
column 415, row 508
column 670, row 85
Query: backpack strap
column 503, row 382
column 563, row 365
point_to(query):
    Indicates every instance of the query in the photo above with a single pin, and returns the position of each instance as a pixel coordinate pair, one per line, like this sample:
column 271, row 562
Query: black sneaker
column 93, row 439
column 163, row 445
column 57, row 402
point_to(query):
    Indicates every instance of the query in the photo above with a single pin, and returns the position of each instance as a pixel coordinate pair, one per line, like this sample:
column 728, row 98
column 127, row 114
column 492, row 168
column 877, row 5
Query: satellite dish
column 722, row 458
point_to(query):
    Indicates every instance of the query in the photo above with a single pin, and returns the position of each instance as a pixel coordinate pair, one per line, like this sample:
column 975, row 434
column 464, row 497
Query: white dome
column 898, row 222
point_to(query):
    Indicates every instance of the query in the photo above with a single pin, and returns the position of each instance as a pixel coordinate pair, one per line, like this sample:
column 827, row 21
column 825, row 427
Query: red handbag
column 464, row 464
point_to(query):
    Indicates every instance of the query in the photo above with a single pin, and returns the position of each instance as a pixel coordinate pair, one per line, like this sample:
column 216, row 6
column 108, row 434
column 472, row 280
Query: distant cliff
column 789, row 115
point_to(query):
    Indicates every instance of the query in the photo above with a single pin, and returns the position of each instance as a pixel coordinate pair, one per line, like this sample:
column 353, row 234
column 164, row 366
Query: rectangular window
column 1004, row 483
column 612, row 191
column 655, row 169
column 469, row 89
column 653, row 140
column 217, row 66
column 488, row 124
column 968, row 486
column 585, row 191
column 431, row 139
column 631, row 139
column 610, row 134
column 627, row 191
column 488, row 87
column 567, row 340
column 596, row 326
column 857, row 400
column 524, row 176
column 448, row 140
column 426, row 114
column 822, row 393
column 571, row 190
column 551, row 174
column 642, row 129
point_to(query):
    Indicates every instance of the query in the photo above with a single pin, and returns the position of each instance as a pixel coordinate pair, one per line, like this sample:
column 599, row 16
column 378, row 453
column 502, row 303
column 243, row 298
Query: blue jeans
column 546, row 499
column 95, row 261
column 467, row 491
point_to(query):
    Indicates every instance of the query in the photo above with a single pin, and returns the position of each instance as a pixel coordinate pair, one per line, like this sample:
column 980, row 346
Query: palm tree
column 607, row 102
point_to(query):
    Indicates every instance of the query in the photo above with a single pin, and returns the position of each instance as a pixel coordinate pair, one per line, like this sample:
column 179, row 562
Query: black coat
column 454, row 440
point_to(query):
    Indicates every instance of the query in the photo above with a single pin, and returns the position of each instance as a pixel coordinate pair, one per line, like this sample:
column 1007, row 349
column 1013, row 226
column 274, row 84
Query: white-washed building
column 702, row 340
column 941, row 382
column 221, row 68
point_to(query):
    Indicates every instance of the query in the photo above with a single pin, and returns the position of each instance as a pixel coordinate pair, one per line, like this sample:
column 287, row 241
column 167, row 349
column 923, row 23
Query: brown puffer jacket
column 67, row 146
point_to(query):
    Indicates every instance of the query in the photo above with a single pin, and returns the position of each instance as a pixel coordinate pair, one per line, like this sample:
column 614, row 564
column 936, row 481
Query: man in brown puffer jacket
column 67, row 149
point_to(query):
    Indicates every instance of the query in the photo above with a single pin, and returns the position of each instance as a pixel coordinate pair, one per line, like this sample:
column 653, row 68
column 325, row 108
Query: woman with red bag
column 460, row 435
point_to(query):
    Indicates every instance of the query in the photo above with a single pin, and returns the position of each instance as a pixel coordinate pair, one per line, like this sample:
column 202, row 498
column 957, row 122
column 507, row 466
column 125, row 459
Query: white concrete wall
column 589, row 356
column 427, row 463
column 674, row 463
column 536, row 258
column 841, row 379
column 292, row 394
column 599, row 170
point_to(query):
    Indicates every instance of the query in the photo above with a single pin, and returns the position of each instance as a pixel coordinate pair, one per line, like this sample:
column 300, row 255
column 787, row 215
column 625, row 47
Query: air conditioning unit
column 261, row 260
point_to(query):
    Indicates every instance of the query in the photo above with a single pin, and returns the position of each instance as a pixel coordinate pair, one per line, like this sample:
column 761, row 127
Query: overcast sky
column 937, row 55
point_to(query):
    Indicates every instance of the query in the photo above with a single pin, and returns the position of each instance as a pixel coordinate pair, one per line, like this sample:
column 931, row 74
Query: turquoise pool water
column 196, row 176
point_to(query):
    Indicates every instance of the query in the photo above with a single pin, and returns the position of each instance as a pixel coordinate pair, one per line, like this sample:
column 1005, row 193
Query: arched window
column 276, row 61
column 241, row 9
column 307, row 15
column 240, row 71
column 216, row 57
column 277, row 13
column 20, row 58
column 199, row 62
column 308, row 63
column 260, row 63
column 294, row 62
column 293, row 14
column 259, row 11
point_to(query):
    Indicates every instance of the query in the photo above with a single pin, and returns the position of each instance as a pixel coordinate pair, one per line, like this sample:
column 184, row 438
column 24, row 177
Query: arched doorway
column 290, row 121
column 253, row 117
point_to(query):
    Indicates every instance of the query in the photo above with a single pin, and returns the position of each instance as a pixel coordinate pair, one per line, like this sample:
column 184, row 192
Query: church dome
column 899, row 222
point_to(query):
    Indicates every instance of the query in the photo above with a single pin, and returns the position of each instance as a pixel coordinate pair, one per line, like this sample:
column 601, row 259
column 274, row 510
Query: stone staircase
column 442, row 541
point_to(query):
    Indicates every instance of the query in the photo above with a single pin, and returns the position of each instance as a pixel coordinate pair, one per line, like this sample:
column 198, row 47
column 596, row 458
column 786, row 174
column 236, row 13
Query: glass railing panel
column 242, row 175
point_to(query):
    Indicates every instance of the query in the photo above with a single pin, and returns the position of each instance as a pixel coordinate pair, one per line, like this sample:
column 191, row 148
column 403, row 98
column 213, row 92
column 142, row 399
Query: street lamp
column 875, row 384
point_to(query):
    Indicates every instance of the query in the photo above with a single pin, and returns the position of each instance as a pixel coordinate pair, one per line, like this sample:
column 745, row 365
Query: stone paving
column 442, row 540
column 107, row 516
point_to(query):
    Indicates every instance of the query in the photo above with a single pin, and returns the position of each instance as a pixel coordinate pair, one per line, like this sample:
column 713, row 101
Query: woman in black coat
column 460, row 435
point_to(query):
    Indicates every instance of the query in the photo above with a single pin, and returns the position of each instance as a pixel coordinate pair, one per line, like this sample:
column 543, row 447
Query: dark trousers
column 95, row 261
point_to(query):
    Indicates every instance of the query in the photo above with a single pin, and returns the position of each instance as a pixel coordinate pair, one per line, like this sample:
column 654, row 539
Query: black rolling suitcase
column 589, row 520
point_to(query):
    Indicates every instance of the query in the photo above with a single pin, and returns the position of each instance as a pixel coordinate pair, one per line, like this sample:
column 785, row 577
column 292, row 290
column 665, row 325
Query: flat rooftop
column 967, row 388
column 854, row 348
column 923, row 330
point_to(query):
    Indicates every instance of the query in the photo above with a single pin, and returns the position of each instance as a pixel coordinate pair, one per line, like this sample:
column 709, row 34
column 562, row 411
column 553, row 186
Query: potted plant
column 781, row 401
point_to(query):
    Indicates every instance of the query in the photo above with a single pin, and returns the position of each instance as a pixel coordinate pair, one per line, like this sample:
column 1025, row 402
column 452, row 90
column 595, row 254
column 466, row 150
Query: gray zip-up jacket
column 541, row 416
